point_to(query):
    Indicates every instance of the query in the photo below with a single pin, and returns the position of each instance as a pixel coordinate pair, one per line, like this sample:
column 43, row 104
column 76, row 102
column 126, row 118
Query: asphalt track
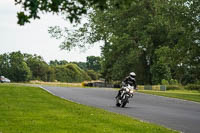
column 172, row 113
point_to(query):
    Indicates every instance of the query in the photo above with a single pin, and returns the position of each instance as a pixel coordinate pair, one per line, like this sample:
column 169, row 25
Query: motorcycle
column 127, row 92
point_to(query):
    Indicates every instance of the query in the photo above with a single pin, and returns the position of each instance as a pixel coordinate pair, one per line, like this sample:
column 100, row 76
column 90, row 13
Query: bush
column 197, row 82
column 174, row 87
column 173, row 82
column 93, row 75
column 192, row 87
column 164, row 82
column 116, row 84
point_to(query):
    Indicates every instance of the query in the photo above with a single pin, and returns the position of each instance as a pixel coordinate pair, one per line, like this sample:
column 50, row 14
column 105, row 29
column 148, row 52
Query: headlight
column 131, row 91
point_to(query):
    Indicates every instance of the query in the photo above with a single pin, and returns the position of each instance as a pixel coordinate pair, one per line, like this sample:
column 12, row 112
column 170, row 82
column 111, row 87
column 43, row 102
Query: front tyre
column 124, row 102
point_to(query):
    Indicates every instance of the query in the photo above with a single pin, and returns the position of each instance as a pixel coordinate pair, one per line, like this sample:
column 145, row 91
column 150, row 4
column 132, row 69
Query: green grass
column 180, row 94
column 26, row 109
column 61, row 84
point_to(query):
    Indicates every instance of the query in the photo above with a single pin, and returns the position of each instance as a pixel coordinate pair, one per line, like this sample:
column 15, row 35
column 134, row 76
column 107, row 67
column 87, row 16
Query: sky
column 33, row 38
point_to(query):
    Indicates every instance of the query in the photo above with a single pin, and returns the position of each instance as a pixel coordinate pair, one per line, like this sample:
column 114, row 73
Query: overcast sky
column 33, row 38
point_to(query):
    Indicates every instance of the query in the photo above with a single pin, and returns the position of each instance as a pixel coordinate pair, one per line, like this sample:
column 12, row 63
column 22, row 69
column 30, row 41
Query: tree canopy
column 72, row 9
column 157, row 39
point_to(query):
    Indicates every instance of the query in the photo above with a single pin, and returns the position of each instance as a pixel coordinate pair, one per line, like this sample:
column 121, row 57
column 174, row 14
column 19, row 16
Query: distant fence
column 140, row 87
column 100, row 84
column 152, row 87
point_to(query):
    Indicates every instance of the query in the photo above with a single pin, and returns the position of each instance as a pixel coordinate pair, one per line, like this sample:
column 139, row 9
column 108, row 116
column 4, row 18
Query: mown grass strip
column 180, row 94
column 61, row 84
column 25, row 109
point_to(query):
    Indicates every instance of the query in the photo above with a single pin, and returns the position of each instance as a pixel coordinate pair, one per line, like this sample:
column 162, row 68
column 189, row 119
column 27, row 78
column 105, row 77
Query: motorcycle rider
column 129, row 80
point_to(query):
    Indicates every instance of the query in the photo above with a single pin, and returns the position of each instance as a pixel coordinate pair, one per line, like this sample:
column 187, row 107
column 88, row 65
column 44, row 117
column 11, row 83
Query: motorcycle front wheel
column 124, row 102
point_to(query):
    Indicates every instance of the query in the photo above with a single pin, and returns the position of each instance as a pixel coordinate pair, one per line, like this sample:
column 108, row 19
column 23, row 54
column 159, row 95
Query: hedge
column 192, row 87
column 70, row 73
column 174, row 87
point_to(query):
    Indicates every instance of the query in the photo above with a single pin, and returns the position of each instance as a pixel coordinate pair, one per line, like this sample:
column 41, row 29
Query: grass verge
column 61, row 84
column 180, row 94
column 25, row 109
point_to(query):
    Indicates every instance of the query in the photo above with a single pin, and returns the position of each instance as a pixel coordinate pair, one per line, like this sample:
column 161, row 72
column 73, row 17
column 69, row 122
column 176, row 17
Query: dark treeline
column 19, row 67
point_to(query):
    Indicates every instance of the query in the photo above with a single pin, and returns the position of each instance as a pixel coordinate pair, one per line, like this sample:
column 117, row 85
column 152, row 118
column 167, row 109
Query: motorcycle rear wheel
column 117, row 102
column 124, row 104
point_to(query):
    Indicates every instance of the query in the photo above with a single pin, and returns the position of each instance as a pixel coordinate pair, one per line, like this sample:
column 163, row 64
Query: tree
column 51, row 74
column 82, row 65
column 56, row 62
column 73, row 9
column 161, row 68
column 4, row 65
column 14, row 67
column 38, row 67
column 93, row 63
column 94, row 75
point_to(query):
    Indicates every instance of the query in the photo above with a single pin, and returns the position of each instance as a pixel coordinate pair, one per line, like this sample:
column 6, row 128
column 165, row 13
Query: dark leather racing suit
column 127, row 81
